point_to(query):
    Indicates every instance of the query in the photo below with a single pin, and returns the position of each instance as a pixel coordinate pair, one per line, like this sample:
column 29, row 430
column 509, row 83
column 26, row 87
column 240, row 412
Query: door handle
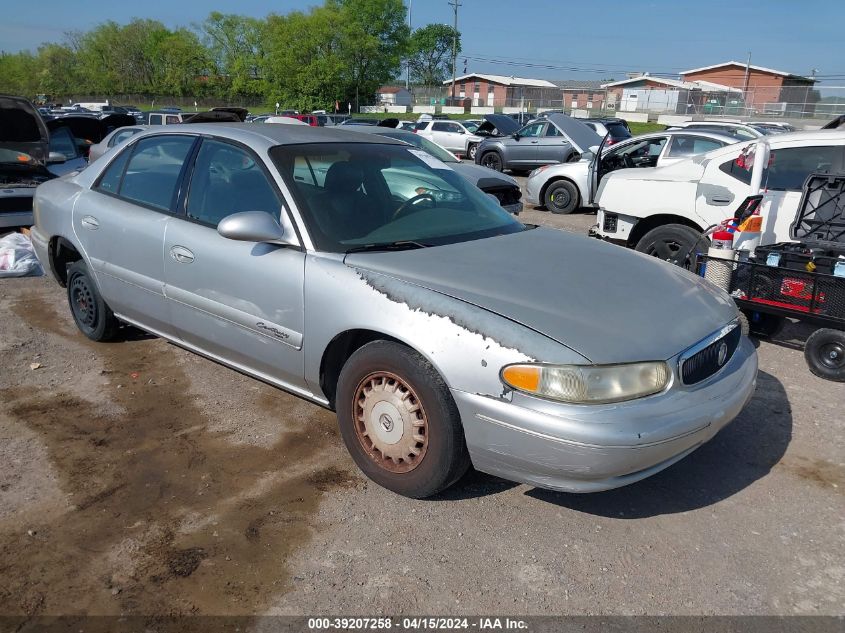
column 181, row 254
column 534, row 142
column 719, row 200
column 90, row 222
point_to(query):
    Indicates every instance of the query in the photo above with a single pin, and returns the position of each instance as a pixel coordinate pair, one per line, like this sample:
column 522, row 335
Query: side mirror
column 253, row 226
column 56, row 158
column 516, row 136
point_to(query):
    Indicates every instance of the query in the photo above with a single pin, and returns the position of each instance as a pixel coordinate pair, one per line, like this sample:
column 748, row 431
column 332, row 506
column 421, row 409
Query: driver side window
column 533, row 130
column 227, row 179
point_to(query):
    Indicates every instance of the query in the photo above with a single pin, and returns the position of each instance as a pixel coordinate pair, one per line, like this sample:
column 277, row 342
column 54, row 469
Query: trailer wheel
column 824, row 352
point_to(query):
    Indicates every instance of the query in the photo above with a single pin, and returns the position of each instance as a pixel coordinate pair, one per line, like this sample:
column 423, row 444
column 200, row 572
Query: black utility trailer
column 803, row 280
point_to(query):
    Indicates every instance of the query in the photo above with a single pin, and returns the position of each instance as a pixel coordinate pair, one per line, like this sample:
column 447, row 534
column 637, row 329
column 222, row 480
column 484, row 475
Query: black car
column 616, row 128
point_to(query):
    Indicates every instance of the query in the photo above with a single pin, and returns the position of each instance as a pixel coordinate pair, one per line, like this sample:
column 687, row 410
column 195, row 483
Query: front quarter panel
column 467, row 345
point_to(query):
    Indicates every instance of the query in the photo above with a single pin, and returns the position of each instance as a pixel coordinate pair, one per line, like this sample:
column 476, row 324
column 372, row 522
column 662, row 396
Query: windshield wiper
column 402, row 245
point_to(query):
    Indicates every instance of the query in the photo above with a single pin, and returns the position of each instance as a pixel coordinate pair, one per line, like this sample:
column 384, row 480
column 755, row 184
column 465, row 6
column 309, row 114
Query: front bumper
column 592, row 448
column 532, row 191
column 515, row 208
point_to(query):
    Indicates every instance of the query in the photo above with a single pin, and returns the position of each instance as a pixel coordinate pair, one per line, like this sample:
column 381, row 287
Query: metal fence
column 796, row 102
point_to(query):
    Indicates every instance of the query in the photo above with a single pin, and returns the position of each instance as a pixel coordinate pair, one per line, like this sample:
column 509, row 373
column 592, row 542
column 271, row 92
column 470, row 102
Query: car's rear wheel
column 399, row 421
column 824, row 352
column 561, row 197
column 91, row 313
column 492, row 160
column 472, row 150
column 674, row 243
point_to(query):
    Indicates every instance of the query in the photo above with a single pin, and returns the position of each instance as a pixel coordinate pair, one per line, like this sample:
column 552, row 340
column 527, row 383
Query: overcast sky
column 550, row 39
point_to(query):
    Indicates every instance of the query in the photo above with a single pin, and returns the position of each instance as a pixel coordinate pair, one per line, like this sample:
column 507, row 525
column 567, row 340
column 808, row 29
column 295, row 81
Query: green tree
column 430, row 53
column 373, row 41
column 18, row 74
column 236, row 47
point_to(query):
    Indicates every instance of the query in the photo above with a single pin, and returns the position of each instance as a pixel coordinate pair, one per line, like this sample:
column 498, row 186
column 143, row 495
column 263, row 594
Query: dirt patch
column 818, row 471
column 167, row 516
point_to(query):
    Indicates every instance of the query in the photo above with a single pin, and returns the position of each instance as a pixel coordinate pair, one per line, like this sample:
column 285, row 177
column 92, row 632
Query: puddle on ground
column 168, row 516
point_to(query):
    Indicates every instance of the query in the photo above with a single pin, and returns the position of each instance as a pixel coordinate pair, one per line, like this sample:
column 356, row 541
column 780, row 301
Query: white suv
column 663, row 210
column 450, row 134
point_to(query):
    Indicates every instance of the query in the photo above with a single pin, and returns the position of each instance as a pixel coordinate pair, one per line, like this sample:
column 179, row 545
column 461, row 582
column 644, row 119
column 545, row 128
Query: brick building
column 584, row 95
column 766, row 89
column 500, row 90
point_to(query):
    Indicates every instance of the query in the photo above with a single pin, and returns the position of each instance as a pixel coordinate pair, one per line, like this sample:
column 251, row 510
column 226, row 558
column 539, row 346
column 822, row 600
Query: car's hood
column 581, row 135
column 497, row 125
column 212, row 116
column 477, row 173
column 114, row 121
column 22, row 130
column 83, row 127
column 607, row 303
column 241, row 113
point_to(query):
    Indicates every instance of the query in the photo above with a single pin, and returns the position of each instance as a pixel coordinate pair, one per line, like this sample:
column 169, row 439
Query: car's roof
column 269, row 134
column 685, row 132
column 804, row 138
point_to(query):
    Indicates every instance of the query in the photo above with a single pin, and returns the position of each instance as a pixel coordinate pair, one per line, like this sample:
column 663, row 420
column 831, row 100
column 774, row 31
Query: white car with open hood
column 662, row 211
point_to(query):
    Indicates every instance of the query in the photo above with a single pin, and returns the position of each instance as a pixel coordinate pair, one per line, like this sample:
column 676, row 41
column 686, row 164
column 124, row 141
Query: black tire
column 824, row 352
column 433, row 429
column 472, row 150
column 561, row 197
column 92, row 315
column 763, row 325
column 492, row 160
column 744, row 325
column 671, row 242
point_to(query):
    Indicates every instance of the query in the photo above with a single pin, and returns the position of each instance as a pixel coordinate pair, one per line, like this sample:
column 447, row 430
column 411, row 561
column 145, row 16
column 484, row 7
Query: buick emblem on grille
column 722, row 355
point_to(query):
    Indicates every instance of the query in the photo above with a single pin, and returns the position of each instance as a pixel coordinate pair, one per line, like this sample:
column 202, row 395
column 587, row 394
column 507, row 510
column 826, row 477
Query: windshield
column 424, row 144
column 358, row 194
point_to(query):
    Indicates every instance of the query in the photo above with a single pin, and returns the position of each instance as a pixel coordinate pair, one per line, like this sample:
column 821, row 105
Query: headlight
column 538, row 170
column 588, row 384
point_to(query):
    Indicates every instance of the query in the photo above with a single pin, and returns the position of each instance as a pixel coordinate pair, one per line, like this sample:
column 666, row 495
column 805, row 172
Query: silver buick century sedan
column 441, row 330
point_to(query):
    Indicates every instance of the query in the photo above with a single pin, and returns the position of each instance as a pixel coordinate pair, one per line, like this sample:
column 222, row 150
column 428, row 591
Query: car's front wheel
column 91, row 313
column 674, row 243
column 472, row 150
column 492, row 160
column 561, row 197
column 399, row 421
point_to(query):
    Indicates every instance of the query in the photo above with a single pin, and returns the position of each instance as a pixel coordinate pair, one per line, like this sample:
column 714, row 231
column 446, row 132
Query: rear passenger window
column 110, row 180
column 737, row 168
column 227, row 179
column 152, row 175
column 691, row 145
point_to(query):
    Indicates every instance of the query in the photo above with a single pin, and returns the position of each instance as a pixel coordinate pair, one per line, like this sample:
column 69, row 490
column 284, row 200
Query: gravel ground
column 137, row 478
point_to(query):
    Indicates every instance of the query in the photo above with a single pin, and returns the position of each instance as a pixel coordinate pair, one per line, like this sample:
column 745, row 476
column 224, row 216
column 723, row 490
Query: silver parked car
column 283, row 252
column 555, row 138
column 115, row 137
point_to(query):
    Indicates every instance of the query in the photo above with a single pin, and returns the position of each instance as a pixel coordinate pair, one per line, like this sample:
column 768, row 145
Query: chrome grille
column 707, row 361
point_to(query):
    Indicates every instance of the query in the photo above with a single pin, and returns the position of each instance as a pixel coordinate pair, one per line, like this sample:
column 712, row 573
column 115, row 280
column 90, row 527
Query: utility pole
column 745, row 83
column 455, row 4
column 408, row 69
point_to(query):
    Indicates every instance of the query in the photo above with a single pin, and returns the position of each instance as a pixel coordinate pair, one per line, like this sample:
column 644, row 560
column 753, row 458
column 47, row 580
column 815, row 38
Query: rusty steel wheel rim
column 390, row 422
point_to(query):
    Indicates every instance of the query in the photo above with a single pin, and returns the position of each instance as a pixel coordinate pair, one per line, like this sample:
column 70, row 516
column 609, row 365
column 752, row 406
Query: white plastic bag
column 17, row 257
